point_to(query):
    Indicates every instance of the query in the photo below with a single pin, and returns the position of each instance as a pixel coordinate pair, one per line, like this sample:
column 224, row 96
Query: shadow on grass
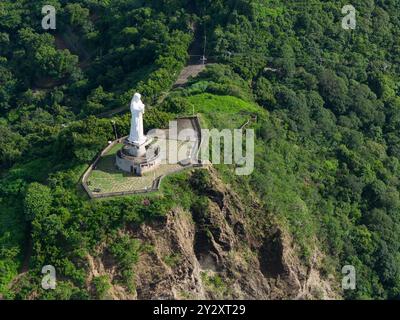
column 107, row 165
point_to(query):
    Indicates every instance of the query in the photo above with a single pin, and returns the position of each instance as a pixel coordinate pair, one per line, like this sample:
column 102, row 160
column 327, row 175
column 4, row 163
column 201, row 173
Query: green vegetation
column 172, row 260
column 214, row 283
column 223, row 112
column 126, row 251
column 102, row 286
column 328, row 141
column 108, row 178
column 12, row 231
column 37, row 201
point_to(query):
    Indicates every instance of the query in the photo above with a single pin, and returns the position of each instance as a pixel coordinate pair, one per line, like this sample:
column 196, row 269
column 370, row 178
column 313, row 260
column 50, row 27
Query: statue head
column 137, row 97
column 136, row 103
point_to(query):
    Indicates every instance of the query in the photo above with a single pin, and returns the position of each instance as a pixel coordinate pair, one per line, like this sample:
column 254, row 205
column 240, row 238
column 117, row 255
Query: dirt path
column 28, row 253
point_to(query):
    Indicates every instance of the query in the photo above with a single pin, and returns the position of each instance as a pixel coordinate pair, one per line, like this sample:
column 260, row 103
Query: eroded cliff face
column 218, row 253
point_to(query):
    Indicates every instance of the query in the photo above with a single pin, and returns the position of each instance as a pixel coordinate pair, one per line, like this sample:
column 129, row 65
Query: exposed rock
column 98, row 267
column 219, row 254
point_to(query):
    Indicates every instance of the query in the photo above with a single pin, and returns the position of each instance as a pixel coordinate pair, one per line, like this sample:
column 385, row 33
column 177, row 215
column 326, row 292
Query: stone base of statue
column 138, row 158
column 137, row 149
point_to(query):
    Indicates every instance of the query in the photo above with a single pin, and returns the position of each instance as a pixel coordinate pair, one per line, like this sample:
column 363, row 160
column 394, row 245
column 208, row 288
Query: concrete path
column 187, row 72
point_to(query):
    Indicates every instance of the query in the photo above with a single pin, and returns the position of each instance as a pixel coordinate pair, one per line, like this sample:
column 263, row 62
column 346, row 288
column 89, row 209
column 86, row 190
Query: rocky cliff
column 220, row 252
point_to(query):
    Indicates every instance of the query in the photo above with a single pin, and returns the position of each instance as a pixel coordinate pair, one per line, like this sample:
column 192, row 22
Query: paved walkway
column 187, row 72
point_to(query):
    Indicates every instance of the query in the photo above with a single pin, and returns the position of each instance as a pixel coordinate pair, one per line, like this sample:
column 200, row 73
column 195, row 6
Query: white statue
column 136, row 135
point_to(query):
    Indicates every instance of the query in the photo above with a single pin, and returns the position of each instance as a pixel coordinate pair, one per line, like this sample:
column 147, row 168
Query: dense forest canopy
column 328, row 135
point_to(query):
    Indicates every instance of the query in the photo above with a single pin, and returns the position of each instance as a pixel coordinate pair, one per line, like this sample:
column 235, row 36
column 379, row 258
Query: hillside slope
column 213, row 252
column 325, row 191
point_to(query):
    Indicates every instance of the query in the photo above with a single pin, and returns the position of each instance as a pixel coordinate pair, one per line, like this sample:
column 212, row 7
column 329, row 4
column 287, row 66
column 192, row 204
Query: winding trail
column 194, row 66
column 191, row 70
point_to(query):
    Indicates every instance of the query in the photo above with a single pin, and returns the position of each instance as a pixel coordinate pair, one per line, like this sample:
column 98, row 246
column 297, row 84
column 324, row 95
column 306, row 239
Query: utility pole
column 205, row 46
column 203, row 58
column 115, row 129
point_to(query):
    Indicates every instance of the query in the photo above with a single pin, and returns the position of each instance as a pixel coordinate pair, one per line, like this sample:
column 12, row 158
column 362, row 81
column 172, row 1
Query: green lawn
column 222, row 112
column 108, row 178
column 114, row 149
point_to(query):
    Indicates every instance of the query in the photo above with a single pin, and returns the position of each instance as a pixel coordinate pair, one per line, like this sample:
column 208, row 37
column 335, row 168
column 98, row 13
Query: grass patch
column 222, row 112
column 102, row 286
column 214, row 283
column 172, row 260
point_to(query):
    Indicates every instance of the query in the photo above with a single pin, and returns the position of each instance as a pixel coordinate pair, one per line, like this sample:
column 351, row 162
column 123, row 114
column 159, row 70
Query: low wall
column 94, row 164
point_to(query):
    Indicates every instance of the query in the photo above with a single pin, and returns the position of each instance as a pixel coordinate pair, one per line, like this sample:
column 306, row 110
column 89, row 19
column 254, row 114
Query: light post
column 115, row 129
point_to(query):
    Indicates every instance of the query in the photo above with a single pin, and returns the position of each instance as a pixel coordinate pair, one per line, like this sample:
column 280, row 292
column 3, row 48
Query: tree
column 78, row 16
column 37, row 201
column 98, row 101
column 155, row 119
column 264, row 92
column 12, row 145
column 8, row 86
column 334, row 91
column 286, row 60
column 83, row 140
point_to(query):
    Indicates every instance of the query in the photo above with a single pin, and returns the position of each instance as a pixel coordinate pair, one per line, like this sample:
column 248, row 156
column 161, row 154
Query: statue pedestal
column 136, row 149
column 137, row 159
